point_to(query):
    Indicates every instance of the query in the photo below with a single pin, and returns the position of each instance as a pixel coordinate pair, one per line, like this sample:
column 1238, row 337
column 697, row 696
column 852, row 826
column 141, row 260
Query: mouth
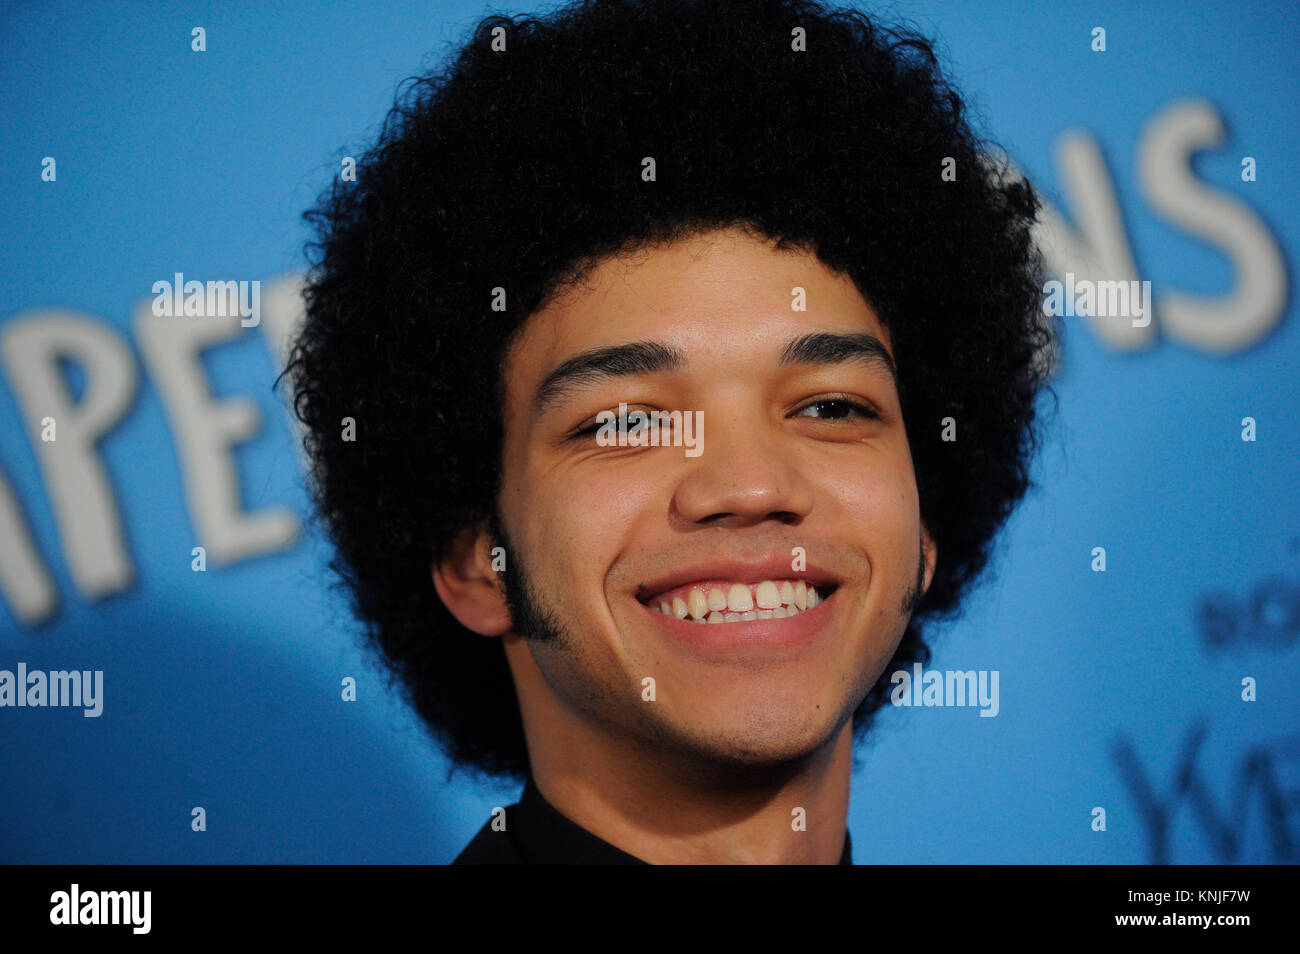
column 725, row 602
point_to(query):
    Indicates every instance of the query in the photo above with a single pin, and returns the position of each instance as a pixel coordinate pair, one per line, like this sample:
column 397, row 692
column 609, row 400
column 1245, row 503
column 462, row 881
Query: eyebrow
column 650, row 357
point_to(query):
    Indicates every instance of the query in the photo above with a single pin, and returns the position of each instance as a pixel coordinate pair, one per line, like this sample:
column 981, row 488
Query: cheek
column 879, row 499
column 580, row 525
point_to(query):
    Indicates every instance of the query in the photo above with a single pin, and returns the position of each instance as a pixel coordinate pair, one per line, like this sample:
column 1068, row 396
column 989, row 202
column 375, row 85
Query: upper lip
column 738, row 570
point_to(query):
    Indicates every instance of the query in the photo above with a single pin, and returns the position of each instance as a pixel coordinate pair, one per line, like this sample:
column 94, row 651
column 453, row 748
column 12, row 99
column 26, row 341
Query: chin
column 764, row 736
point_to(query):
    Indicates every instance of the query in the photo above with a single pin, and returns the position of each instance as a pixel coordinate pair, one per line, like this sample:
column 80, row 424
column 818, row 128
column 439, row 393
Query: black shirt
column 537, row 834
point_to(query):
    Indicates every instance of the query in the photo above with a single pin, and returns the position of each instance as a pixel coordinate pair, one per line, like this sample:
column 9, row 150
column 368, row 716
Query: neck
column 667, row 810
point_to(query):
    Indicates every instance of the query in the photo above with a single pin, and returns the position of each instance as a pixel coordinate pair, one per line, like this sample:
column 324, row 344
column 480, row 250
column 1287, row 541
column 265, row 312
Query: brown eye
column 620, row 422
column 839, row 409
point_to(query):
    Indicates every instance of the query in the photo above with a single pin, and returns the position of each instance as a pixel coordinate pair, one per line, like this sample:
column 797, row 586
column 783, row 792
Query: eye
column 591, row 428
column 620, row 422
column 840, row 409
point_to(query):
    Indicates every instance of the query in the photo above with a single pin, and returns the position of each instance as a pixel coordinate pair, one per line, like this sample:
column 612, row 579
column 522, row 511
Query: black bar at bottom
column 337, row 902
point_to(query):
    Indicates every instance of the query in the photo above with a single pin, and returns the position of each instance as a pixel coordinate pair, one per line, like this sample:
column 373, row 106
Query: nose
column 747, row 473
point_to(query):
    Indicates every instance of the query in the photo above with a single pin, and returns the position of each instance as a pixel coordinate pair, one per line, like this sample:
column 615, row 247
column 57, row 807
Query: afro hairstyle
column 517, row 163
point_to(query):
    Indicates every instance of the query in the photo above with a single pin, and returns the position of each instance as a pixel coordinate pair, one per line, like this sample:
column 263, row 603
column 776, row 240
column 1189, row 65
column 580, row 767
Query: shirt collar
column 545, row 836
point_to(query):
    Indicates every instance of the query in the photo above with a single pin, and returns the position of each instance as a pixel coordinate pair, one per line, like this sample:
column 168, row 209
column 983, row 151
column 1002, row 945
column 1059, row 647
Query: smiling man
column 763, row 216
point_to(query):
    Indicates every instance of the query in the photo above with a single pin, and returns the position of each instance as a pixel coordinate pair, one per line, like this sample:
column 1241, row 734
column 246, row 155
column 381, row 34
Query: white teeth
column 739, row 600
column 698, row 603
column 767, row 596
column 736, row 602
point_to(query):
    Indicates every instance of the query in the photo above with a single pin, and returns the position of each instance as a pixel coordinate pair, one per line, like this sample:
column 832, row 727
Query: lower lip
column 785, row 633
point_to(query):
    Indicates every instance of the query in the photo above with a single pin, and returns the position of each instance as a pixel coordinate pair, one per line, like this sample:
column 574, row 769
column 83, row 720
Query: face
column 801, row 477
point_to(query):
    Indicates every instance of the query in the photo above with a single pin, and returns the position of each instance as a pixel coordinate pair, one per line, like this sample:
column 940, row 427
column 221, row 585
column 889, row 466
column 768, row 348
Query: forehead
column 723, row 295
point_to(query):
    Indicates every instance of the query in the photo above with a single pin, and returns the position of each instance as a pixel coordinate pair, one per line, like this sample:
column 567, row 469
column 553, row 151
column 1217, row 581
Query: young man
column 666, row 365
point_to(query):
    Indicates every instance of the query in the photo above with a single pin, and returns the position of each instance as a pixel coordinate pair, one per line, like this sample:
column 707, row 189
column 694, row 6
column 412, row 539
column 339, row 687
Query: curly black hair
column 518, row 164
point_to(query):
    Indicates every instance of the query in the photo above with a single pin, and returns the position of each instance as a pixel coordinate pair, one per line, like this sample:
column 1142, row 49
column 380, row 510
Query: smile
column 720, row 601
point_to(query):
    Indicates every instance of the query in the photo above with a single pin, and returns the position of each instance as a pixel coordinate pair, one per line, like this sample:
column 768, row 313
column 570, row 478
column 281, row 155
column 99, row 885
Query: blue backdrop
column 1120, row 689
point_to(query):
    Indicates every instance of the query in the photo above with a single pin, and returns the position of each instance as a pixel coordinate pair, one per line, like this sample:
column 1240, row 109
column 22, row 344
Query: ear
column 469, row 587
column 930, row 550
